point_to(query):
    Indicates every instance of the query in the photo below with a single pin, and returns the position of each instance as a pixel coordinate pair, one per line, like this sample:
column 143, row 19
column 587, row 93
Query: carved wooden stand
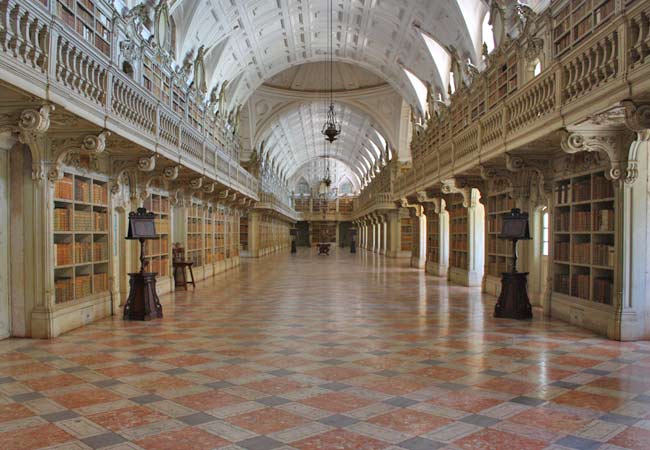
column 143, row 302
column 513, row 302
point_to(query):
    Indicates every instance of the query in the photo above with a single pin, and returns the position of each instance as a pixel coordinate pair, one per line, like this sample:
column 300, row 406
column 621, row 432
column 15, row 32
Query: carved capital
column 34, row 121
column 147, row 163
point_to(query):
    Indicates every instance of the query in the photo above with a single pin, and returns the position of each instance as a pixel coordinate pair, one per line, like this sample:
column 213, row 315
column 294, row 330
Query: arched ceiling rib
column 295, row 137
column 256, row 39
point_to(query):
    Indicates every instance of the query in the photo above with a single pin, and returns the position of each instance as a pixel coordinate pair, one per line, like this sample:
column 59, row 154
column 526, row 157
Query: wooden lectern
column 513, row 302
column 143, row 303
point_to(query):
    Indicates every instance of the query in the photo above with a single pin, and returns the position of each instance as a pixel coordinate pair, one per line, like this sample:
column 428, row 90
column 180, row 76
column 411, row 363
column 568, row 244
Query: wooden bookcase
column 81, row 243
column 209, row 238
column 584, row 244
column 243, row 233
column 195, row 230
column 458, row 232
column 87, row 21
column 157, row 251
column 577, row 19
column 433, row 238
column 219, row 237
column 406, row 231
column 234, row 233
column 498, row 251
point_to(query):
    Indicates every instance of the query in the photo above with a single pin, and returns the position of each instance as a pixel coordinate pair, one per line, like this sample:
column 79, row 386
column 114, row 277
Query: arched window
column 488, row 34
column 537, row 67
column 303, row 187
column 452, row 83
column 545, row 232
column 345, row 188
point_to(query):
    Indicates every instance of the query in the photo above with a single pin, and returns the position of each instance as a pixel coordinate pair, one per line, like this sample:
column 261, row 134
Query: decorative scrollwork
column 147, row 163
column 196, row 183
column 171, row 172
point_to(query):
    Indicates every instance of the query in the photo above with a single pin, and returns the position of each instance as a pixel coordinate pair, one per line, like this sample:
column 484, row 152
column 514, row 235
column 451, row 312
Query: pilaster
column 435, row 209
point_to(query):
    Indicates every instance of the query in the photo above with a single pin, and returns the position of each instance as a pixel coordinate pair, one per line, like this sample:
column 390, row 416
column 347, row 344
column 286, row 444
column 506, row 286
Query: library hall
column 325, row 224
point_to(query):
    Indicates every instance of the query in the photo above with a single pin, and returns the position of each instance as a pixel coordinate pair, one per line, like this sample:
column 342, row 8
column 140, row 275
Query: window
column 488, row 36
column 537, row 68
column 545, row 233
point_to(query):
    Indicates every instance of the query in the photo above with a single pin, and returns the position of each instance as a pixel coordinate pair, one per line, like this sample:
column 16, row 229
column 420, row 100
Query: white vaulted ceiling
column 280, row 46
column 249, row 41
column 295, row 139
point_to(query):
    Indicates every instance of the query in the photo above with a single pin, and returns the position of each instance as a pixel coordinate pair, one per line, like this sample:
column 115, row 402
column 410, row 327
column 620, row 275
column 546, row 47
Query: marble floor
column 340, row 352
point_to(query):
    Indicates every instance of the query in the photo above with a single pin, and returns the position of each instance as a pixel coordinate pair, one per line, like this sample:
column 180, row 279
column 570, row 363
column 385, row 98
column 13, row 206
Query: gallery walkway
column 340, row 352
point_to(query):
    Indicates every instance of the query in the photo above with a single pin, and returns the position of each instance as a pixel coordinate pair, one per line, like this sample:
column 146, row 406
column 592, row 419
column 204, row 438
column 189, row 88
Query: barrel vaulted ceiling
column 251, row 44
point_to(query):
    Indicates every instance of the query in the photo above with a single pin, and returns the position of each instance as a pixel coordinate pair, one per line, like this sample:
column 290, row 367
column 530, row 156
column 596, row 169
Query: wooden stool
column 179, row 265
column 180, row 275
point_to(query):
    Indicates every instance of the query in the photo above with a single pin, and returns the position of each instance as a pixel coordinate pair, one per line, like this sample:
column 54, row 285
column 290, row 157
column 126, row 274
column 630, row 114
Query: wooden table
column 323, row 249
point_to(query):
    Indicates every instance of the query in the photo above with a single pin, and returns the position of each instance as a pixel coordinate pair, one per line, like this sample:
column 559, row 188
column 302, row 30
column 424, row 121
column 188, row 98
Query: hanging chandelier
column 332, row 128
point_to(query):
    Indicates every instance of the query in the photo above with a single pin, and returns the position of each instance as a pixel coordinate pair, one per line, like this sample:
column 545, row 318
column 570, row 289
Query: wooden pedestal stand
column 513, row 303
column 143, row 302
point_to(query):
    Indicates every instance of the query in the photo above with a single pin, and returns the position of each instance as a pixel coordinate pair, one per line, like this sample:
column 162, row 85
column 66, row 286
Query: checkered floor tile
column 340, row 352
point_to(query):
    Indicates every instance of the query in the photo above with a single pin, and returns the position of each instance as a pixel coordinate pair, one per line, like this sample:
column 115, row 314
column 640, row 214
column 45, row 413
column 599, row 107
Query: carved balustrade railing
column 268, row 200
column 43, row 56
column 591, row 74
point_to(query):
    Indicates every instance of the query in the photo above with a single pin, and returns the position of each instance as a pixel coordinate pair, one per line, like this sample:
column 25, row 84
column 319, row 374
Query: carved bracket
column 456, row 186
column 68, row 151
column 171, row 172
column 147, row 163
column 196, row 183
column 613, row 143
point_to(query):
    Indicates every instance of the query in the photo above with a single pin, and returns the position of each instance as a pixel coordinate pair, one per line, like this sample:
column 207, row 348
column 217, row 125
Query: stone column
column 394, row 234
column 6, row 144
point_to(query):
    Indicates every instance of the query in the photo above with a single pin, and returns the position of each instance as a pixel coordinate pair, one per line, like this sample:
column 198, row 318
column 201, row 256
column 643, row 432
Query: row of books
column 604, row 255
column 100, row 282
column 581, row 252
column 459, row 244
column 83, row 220
column 580, row 285
column 63, row 290
column 82, row 190
column 100, row 251
column 82, row 286
column 604, row 220
column 458, row 228
column 160, row 266
column 100, row 220
column 562, row 249
column 157, row 204
column 581, row 221
column 500, row 203
column 62, row 220
column 156, row 246
column 100, row 194
column 582, row 190
column 494, row 224
column 459, row 260
column 562, row 221
column 83, row 252
column 603, row 290
column 63, row 188
column 562, row 283
column 63, row 253
column 501, row 246
column 603, row 188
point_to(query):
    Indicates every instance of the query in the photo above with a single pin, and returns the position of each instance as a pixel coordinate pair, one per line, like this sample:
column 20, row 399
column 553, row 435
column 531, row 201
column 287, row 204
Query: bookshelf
column 87, row 21
column 234, row 233
column 498, row 251
column 81, row 244
column 209, row 236
column 406, row 232
column 219, row 238
column 459, row 232
column 584, row 245
column 243, row 234
column 323, row 232
column 195, row 230
column 577, row 19
column 155, row 80
column 502, row 79
column 345, row 205
column 157, row 250
column 227, row 223
column 433, row 238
